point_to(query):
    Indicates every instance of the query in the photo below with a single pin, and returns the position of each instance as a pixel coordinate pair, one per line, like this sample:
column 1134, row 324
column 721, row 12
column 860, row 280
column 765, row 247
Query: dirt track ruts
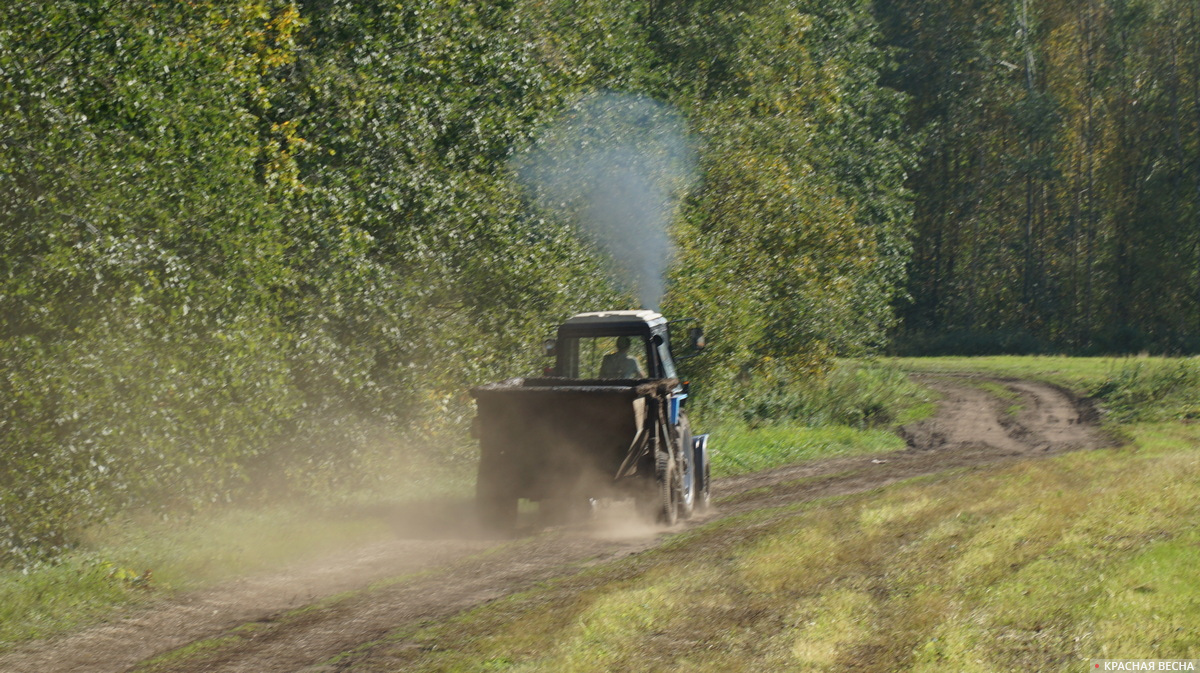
column 433, row 573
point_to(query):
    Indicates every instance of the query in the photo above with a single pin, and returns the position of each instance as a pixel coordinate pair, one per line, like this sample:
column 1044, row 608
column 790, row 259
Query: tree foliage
column 1058, row 195
column 251, row 243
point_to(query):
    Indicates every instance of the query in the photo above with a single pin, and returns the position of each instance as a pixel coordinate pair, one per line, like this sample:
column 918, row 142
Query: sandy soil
column 295, row 620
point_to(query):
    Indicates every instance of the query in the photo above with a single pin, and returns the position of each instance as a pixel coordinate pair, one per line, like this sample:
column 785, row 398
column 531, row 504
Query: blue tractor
column 607, row 421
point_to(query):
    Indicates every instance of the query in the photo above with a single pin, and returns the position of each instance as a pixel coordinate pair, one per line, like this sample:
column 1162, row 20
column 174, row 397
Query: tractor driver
column 621, row 365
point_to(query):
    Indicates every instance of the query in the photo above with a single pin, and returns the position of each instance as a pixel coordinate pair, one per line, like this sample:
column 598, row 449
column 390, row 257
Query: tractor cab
column 617, row 345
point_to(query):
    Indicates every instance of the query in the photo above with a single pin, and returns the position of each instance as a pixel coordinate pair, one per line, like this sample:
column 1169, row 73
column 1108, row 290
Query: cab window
column 599, row 357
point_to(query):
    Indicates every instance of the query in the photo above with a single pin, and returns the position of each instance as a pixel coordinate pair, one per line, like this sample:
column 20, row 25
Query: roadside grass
column 854, row 393
column 200, row 551
column 50, row 598
column 1040, row 565
column 850, row 411
column 1076, row 373
column 742, row 449
column 844, row 413
column 1033, row 566
column 1128, row 389
column 143, row 558
column 135, row 562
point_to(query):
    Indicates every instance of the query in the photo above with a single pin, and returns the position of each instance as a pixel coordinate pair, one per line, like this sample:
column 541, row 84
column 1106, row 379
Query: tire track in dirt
column 262, row 631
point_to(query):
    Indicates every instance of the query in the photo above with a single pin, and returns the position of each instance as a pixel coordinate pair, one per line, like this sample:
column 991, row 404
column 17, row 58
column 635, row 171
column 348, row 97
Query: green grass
column 854, row 393
column 850, row 411
column 738, row 449
column 185, row 554
column 107, row 572
column 920, row 409
column 1031, row 566
column 1130, row 389
column 1079, row 374
column 50, row 598
column 997, row 390
column 201, row 550
column 1035, row 566
column 1039, row 565
column 193, row 651
column 843, row 413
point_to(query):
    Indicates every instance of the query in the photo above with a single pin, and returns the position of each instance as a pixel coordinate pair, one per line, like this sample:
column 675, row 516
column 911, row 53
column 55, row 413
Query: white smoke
column 617, row 166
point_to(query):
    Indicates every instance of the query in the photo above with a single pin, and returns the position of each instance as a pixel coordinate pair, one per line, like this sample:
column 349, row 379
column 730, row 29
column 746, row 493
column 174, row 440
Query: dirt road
column 298, row 619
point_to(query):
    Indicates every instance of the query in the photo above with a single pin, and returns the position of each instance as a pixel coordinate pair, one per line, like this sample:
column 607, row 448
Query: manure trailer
column 606, row 422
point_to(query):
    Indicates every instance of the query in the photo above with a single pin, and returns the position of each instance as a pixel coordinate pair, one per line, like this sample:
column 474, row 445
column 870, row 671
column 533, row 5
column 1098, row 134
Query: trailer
column 576, row 437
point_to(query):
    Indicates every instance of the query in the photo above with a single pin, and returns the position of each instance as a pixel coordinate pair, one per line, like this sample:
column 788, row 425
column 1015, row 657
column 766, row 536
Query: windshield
column 604, row 357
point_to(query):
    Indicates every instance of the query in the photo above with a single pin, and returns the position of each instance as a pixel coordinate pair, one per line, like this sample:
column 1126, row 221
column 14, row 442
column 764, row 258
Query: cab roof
column 616, row 318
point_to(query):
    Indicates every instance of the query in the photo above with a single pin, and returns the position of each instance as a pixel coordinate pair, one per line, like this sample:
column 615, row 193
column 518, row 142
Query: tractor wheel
column 688, row 476
column 668, row 478
column 700, row 469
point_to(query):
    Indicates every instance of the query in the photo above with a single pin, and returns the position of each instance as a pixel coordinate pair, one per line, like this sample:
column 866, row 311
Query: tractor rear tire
column 689, row 479
column 667, row 477
column 703, row 476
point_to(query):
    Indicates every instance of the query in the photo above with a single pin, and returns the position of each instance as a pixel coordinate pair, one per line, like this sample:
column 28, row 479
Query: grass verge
column 1036, row 566
column 1078, row 374
column 1039, row 565
column 1129, row 389
column 738, row 449
column 136, row 562
column 140, row 559
column 850, row 411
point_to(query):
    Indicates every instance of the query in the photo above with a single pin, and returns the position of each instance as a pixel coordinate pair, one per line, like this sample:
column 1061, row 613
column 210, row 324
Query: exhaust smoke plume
column 617, row 166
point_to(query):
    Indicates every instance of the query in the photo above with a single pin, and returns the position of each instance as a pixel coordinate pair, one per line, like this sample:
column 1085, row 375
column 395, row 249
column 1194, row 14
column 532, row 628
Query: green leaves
column 794, row 248
column 254, row 242
column 1057, row 196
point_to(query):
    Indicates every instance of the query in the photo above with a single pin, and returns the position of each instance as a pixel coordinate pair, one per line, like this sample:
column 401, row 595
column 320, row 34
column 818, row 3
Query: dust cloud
column 617, row 165
column 616, row 519
column 578, row 495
